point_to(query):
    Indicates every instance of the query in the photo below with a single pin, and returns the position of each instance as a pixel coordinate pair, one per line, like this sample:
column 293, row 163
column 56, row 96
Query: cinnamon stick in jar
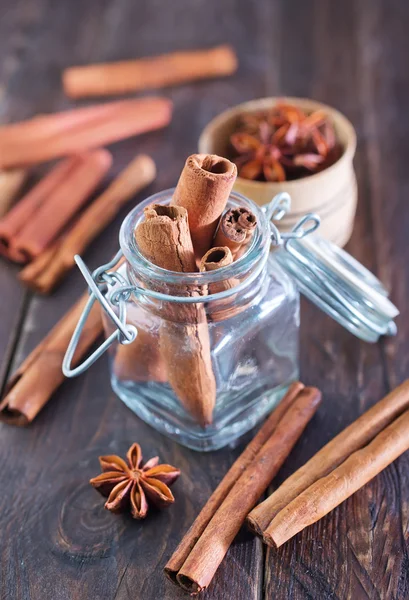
column 47, row 270
column 235, row 229
column 351, row 439
column 155, row 72
column 164, row 239
column 215, row 259
column 328, row 492
column 203, row 189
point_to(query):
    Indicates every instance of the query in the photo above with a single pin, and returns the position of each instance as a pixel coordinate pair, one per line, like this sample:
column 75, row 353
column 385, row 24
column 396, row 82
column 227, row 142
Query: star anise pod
column 133, row 485
column 283, row 143
column 260, row 154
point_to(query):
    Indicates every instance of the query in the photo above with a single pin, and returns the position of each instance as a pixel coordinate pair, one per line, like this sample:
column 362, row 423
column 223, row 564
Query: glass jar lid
column 331, row 278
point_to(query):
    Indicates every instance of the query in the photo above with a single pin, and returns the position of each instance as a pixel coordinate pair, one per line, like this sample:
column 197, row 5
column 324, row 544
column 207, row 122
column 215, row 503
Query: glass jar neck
column 221, row 283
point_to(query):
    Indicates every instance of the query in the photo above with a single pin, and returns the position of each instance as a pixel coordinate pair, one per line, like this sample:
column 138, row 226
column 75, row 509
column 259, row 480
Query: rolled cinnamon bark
column 43, row 126
column 181, row 553
column 61, row 205
column 10, row 184
column 203, row 189
column 17, row 218
column 155, row 72
column 47, row 270
column 61, row 134
column 201, row 564
column 40, row 374
column 164, row 239
column 214, row 259
column 235, row 229
column 328, row 492
column 355, row 436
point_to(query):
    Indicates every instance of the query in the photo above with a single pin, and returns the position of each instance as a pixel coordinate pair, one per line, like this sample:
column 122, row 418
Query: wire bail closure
column 277, row 209
column 124, row 333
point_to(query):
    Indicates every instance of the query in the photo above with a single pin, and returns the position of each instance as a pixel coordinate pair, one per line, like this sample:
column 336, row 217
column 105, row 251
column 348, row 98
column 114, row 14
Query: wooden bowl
column 332, row 193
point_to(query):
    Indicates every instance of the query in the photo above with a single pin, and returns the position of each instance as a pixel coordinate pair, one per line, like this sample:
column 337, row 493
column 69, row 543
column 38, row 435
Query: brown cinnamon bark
column 155, row 72
column 34, row 382
column 235, row 229
column 164, row 239
column 203, row 189
column 229, row 480
column 214, row 259
column 355, row 436
column 17, row 218
column 52, row 136
column 45, row 272
column 10, row 184
column 65, row 200
column 328, row 492
column 203, row 561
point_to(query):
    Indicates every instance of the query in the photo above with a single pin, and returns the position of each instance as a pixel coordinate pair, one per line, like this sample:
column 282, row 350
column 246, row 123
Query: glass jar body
column 247, row 337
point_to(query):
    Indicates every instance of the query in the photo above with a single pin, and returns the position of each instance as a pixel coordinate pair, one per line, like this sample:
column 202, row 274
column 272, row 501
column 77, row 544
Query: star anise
column 133, row 485
column 283, row 143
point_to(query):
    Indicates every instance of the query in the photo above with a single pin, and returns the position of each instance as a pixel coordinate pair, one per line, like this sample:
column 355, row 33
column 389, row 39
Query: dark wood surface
column 56, row 541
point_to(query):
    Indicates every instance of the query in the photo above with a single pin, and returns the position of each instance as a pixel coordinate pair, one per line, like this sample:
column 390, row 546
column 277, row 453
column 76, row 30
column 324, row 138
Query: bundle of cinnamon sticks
column 337, row 471
column 34, row 382
column 178, row 237
column 201, row 551
column 40, row 228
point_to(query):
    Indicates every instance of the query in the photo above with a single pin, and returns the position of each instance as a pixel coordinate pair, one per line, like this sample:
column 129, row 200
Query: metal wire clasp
column 101, row 283
column 275, row 211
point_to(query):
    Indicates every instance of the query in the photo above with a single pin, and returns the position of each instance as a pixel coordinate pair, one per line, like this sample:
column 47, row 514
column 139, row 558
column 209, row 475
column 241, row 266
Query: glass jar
column 173, row 337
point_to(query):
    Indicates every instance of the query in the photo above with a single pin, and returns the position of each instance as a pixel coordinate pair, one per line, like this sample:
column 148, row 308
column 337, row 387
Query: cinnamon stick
column 156, row 72
column 12, row 223
column 181, row 553
column 203, row 189
column 40, row 374
column 164, row 239
column 52, row 136
column 47, row 270
column 203, row 561
column 10, row 184
column 60, row 123
column 354, row 437
column 214, row 259
column 235, row 229
column 328, row 492
column 60, row 206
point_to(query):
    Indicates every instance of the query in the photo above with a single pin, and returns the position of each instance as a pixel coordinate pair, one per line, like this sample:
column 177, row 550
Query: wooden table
column 57, row 542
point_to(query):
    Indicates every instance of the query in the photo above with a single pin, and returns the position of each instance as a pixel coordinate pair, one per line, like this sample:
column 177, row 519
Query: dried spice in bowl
column 283, row 143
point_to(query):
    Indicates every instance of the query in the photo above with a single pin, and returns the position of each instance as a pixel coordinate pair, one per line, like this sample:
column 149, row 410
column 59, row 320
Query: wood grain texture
column 57, row 541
